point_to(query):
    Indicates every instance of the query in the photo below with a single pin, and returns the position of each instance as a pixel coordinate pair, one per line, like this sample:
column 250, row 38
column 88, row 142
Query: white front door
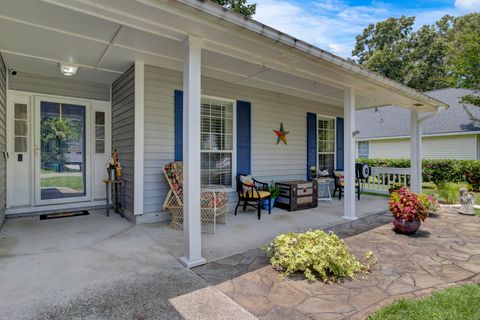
column 61, row 150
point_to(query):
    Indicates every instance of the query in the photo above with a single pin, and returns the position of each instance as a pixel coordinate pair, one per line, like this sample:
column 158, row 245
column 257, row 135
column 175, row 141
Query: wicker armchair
column 213, row 200
column 252, row 195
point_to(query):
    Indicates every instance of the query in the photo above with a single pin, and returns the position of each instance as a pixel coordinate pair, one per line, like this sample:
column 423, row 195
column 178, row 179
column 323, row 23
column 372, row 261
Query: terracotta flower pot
column 406, row 227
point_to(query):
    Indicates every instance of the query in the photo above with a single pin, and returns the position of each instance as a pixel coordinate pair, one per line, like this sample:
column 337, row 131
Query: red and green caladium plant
column 407, row 205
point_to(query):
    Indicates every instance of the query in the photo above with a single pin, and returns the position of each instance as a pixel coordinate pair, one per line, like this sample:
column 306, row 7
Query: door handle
column 37, row 149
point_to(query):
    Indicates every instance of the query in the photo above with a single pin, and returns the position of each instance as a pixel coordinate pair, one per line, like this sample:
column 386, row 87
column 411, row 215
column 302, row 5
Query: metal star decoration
column 281, row 134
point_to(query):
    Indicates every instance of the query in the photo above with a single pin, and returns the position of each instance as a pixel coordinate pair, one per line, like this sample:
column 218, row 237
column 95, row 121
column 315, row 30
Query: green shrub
column 472, row 175
column 315, row 253
column 450, row 192
column 443, row 171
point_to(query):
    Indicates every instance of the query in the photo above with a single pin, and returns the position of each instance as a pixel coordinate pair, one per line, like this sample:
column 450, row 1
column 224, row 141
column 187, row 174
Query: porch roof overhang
column 104, row 37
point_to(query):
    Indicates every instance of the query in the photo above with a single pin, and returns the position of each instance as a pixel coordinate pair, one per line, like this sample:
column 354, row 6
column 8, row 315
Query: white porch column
column 349, row 154
column 191, row 152
column 415, row 152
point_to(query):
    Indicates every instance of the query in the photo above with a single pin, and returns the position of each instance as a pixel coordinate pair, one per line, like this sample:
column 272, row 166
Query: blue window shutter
column 311, row 142
column 178, row 125
column 340, row 144
column 244, row 137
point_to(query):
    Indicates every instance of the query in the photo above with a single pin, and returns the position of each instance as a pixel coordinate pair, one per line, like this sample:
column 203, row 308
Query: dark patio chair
column 340, row 184
column 252, row 195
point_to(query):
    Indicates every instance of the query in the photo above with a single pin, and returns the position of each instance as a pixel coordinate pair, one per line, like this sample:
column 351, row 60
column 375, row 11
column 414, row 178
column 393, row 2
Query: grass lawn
column 459, row 303
column 75, row 183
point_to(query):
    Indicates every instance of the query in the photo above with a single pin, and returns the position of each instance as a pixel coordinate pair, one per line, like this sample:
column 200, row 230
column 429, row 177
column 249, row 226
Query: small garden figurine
column 467, row 201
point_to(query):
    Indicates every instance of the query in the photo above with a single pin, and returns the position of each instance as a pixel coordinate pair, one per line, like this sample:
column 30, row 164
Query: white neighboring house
column 385, row 132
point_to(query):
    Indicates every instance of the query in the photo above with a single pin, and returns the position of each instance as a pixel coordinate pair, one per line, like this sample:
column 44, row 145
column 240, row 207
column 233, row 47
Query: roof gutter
column 431, row 115
column 255, row 26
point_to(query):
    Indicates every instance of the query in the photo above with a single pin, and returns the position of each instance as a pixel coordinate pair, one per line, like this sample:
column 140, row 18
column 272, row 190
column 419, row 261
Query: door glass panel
column 62, row 150
column 99, row 132
column 20, row 144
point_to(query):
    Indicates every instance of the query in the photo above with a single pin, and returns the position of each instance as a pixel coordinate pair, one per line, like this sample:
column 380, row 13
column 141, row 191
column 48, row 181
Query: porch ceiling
column 104, row 37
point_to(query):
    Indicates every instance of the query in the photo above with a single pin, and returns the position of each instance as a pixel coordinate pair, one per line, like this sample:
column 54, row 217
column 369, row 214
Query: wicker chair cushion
column 174, row 172
column 207, row 201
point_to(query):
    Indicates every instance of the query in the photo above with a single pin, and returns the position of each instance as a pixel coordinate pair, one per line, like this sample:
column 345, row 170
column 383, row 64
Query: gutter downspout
column 431, row 115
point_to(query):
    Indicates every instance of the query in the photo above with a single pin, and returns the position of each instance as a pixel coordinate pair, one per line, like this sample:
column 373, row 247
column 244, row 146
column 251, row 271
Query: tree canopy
column 444, row 54
column 239, row 6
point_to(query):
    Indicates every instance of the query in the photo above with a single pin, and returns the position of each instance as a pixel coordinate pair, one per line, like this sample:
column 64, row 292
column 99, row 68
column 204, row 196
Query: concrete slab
column 244, row 232
column 209, row 303
column 89, row 267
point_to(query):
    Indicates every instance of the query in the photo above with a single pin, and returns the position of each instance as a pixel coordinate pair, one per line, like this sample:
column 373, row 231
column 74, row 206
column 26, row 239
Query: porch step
column 209, row 303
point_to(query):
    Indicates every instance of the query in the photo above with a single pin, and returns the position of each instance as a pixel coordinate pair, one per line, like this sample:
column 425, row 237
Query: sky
column 333, row 24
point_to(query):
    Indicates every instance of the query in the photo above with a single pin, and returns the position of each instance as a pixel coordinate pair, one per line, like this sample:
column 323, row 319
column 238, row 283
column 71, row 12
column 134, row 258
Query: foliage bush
column 472, row 175
column 450, row 192
column 408, row 205
column 437, row 171
column 315, row 254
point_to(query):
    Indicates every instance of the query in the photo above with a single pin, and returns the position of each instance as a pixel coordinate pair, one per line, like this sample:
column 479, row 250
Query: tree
column 391, row 48
column 239, row 6
column 436, row 56
column 464, row 58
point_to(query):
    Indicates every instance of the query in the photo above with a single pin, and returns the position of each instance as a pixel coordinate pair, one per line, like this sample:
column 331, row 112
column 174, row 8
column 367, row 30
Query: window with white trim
column 217, row 141
column 326, row 143
column 363, row 149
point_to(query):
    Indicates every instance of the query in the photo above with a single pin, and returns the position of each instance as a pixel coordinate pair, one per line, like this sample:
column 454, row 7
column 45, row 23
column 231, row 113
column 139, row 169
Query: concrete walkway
column 98, row 267
column 445, row 252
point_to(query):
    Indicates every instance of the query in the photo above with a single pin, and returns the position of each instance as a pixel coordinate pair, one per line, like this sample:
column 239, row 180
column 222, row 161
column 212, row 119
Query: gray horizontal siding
column 268, row 110
column 59, row 86
column 460, row 147
column 3, row 141
column 123, row 130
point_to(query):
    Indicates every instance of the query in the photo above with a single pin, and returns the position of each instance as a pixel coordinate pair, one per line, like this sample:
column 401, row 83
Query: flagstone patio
column 445, row 252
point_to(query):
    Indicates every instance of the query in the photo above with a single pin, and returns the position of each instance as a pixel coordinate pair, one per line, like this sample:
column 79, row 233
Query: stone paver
column 445, row 253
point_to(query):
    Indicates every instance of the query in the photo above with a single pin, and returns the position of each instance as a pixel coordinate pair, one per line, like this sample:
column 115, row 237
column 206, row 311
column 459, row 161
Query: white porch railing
column 382, row 178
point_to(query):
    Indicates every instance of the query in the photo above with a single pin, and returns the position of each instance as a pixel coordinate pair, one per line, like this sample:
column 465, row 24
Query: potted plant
column 408, row 211
column 431, row 203
column 274, row 193
column 313, row 172
column 394, row 186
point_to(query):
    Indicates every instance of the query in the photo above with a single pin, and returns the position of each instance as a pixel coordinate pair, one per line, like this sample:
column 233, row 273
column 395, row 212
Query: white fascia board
column 446, row 134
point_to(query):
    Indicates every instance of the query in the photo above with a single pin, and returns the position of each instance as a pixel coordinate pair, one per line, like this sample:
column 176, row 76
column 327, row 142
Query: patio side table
column 325, row 194
column 115, row 191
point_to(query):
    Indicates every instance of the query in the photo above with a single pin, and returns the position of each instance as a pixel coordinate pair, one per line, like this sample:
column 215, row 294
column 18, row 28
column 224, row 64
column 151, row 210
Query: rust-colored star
column 281, row 134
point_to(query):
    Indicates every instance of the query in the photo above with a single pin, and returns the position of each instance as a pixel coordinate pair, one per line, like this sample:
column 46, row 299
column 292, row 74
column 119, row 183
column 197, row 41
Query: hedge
column 437, row 171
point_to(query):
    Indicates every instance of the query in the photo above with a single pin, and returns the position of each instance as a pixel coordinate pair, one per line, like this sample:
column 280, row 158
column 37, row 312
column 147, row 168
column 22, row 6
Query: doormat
column 63, row 215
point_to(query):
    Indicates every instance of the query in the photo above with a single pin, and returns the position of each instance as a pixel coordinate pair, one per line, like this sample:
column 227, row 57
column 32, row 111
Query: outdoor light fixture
column 68, row 69
column 355, row 133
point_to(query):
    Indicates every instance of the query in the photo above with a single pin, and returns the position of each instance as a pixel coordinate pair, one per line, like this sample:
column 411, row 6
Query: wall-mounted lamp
column 355, row 133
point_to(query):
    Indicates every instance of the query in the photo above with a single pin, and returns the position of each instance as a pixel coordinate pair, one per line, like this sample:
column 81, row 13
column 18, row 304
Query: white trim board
column 139, row 148
column 423, row 136
column 62, row 206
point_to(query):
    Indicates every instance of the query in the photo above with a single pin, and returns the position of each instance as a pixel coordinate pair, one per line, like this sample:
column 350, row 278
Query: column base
column 349, row 218
column 192, row 263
